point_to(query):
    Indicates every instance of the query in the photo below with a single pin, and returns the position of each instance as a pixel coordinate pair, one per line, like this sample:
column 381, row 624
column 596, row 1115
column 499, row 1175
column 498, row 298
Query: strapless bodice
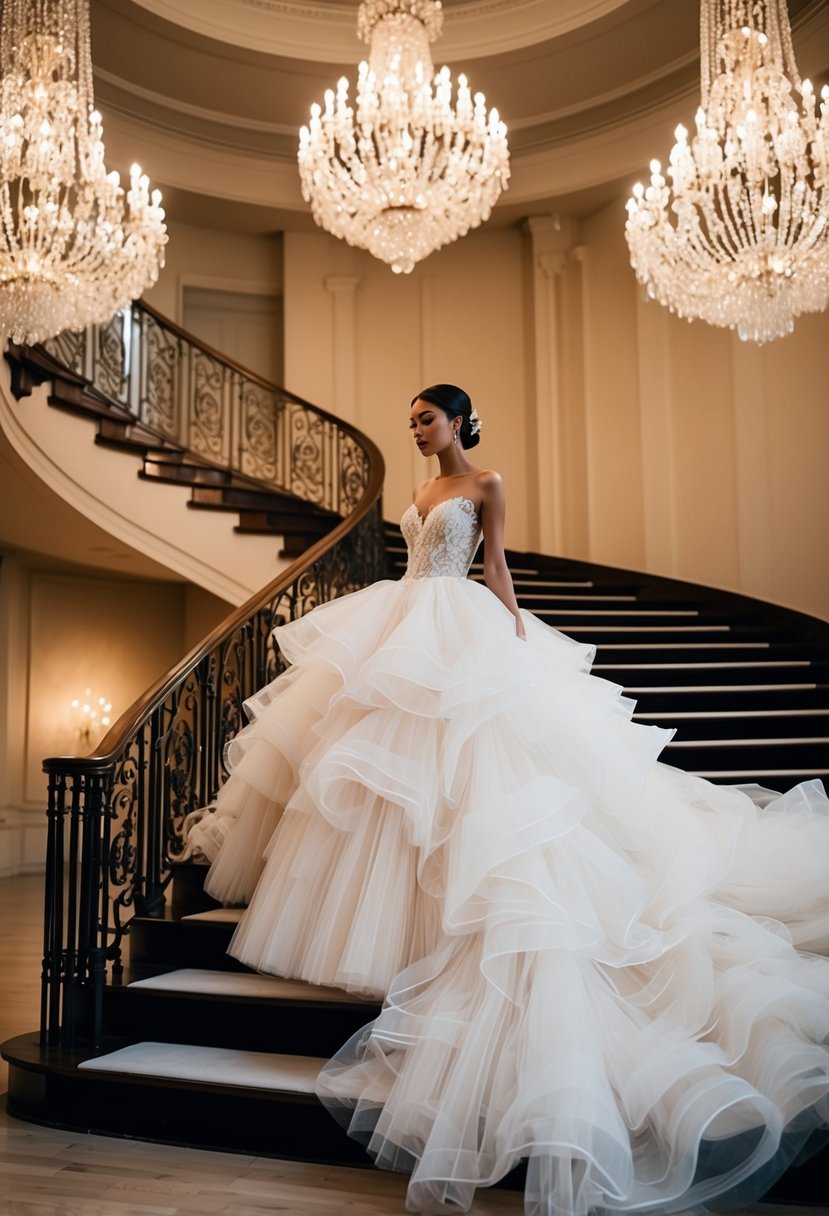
column 443, row 544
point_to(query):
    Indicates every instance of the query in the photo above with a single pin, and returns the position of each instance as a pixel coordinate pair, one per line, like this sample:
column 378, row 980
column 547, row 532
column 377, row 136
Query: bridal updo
column 455, row 403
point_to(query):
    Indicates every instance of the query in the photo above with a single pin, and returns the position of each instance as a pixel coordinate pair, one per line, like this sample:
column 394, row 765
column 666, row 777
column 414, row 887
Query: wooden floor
column 21, row 949
column 45, row 1172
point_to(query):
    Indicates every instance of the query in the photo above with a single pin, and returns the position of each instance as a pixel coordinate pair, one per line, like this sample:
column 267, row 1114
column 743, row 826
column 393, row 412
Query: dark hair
column 456, row 404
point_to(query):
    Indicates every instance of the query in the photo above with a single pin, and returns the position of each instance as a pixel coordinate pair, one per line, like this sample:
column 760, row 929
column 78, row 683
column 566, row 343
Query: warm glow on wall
column 91, row 716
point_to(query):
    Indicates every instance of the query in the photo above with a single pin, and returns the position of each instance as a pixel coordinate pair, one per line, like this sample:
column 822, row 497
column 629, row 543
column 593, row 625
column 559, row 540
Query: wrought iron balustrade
column 115, row 818
column 191, row 396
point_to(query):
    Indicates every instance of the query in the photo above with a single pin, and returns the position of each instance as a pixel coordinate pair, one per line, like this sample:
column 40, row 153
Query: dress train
column 589, row 959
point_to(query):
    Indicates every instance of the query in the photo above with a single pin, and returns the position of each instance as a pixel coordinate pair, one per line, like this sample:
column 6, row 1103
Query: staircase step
column 127, row 434
column 735, row 699
column 225, row 1008
column 780, row 779
column 297, row 522
column 706, row 675
column 163, row 943
column 214, row 916
column 750, row 755
column 212, row 1066
column 714, row 687
column 179, row 472
column 252, row 986
column 719, row 727
column 251, row 498
column 187, row 888
column 699, row 651
column 256, row 1103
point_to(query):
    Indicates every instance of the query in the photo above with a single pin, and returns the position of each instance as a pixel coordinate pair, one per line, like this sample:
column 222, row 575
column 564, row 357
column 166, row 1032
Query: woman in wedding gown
column 588, row 959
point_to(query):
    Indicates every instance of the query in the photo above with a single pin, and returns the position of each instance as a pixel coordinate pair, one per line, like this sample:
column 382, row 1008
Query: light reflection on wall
column 111, row 636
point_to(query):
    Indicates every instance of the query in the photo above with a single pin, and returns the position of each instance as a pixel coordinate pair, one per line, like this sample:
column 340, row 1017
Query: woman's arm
column 496, row 572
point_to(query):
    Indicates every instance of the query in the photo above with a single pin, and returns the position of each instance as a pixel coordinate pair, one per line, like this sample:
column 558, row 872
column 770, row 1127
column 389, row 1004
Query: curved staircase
column 149, row 1029
column 204, row 423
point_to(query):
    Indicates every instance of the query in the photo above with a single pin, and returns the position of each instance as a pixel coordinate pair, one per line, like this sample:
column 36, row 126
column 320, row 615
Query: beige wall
column 704, row 453
column 361, row 341
column 61, row 632
column 226, row 261
column 625, row 435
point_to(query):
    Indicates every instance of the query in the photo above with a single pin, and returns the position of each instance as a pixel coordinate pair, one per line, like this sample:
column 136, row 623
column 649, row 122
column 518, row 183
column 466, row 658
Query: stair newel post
column 52, row 968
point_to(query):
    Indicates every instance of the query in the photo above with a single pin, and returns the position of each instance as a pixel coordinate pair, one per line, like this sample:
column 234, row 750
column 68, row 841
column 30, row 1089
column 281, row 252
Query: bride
column 588, row 959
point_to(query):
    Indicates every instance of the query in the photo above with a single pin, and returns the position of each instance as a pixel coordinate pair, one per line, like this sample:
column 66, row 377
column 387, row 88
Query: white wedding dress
column 589, row 959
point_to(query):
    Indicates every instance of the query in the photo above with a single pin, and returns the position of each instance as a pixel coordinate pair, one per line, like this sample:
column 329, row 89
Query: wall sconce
column 91, row 714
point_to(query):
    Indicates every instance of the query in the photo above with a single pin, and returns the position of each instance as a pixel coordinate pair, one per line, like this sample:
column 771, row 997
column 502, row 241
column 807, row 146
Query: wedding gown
column 589, row 959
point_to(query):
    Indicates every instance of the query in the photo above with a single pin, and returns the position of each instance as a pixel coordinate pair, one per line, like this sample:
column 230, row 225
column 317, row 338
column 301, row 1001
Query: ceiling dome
column 209, row 97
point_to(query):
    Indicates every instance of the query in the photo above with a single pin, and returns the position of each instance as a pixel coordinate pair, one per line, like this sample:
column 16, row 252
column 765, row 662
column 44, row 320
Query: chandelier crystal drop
column 740, row 238
column 75, row 247
column 401, row 172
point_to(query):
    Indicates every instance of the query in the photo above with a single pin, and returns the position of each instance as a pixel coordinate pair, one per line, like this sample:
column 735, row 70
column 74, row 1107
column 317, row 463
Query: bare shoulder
column 489, row 482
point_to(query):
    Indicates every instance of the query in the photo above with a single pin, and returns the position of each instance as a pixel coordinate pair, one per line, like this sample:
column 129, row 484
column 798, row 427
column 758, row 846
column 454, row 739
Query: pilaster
column 342, row 288
column 553, row 238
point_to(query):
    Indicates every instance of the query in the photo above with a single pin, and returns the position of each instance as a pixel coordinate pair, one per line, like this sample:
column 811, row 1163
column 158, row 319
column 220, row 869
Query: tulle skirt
column 589, row 959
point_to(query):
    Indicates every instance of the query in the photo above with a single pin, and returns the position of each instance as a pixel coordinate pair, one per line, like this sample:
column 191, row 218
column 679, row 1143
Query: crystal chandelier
column 402, row 173
column 741, row 236
column 74, row 247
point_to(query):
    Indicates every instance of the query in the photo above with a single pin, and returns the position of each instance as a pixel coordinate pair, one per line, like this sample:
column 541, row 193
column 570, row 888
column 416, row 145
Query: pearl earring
column 454, row 436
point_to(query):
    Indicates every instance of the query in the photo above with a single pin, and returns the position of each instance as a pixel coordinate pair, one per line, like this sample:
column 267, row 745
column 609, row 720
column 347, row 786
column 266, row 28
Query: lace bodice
column 444, row 543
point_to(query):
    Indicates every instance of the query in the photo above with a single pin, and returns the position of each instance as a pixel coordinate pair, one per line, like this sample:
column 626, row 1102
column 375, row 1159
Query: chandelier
column 741, row 236
column 402, row 173
column 74, row 247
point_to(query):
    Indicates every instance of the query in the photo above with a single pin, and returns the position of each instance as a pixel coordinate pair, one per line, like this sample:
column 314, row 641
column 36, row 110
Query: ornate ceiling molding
column 325, row 31
column 176, row 160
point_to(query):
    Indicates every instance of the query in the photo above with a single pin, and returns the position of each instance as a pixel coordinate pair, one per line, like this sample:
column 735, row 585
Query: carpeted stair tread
column 212, row 1065
column 214, row 916
column 249, row 985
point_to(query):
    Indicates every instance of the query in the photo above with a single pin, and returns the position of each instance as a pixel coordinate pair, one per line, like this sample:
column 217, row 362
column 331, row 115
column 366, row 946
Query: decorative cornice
column 327, row 32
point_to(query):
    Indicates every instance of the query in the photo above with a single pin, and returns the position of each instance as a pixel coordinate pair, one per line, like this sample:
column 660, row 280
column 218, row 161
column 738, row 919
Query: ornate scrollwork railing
column 116, row 817
column 190, row 395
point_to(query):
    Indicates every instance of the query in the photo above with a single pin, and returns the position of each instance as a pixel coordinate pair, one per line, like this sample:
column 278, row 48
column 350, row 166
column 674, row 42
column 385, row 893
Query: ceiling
column 208, row 95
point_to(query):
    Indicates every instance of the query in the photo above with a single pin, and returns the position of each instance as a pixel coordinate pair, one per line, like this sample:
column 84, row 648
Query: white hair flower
column 474, row 422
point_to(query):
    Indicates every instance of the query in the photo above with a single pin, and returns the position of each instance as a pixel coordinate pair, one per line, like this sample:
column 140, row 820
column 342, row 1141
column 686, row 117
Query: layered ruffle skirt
column 589, row 960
